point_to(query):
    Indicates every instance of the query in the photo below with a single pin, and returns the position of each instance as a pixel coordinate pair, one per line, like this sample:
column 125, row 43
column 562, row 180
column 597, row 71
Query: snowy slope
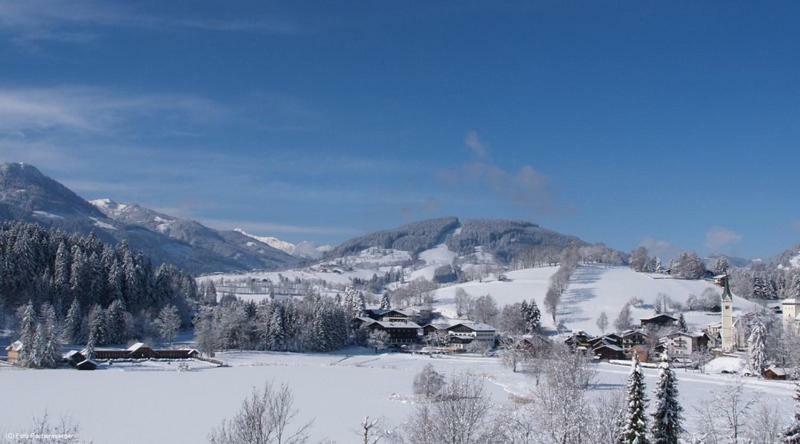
column 592, row 290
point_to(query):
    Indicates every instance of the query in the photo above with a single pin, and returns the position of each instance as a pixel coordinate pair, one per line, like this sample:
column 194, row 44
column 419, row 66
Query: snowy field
column 136, row 403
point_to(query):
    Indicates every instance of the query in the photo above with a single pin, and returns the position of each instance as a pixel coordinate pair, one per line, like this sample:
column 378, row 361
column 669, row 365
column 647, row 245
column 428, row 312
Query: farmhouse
column 605, row 350
column 473, row 331
column 658, row 321
column 631, row 339
column 400, row 331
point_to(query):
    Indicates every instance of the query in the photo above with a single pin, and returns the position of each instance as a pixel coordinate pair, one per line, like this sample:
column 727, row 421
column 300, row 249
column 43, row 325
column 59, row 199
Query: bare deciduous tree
column 264, row 418
column 460, row 415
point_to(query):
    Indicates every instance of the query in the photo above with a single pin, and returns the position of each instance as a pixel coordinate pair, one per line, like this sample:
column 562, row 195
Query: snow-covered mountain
column 304, row 249
column 250, row 253
column 28, row 195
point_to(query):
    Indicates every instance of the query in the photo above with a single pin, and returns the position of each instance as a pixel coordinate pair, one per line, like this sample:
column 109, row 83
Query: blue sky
column 669, row 124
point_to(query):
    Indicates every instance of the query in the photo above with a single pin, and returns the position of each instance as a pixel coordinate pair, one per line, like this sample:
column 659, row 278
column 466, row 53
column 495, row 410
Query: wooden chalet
column 773, row 372
column 608, row 351
column 632, row 338
column 401, row 332
column 580, row 339
column 13, row 352
column 658, row 321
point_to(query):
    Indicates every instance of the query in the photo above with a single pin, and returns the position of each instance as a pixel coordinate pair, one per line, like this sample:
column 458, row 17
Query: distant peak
column 108, row 204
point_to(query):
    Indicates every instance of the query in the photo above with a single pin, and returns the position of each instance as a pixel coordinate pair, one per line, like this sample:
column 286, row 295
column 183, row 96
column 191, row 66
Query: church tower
column 728, row 339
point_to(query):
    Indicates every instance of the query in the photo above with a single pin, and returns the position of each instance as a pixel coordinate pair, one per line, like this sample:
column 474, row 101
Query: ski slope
column 593, row 289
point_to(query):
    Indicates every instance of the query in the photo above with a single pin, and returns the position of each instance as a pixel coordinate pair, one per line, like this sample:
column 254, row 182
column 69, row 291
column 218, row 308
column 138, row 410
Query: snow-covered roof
column 398, row 324
column 791, row 301
column 777, row 370
column 136, row 346
column 475, row 326
column 15, row 346
column 608, row 346
column 662, row 315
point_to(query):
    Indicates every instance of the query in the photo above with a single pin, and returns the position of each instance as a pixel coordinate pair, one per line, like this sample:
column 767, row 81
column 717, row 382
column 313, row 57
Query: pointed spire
column 726, row 293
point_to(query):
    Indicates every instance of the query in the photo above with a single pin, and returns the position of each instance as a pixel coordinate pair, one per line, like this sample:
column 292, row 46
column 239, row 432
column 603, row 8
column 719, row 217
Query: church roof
column 726, row 294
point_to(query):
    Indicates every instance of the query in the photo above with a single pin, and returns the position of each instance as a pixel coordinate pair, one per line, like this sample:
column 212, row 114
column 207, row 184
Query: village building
column 790, row 309
column 13, row 352
column 728, row 340
column 773, row 372
column 681, row 344
column 473, row 332
column 400, row 331
column 658, row 321
column 608, row 351
column 631, row 339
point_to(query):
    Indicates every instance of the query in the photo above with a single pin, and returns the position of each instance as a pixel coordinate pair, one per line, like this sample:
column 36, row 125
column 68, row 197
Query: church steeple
column 726, row 293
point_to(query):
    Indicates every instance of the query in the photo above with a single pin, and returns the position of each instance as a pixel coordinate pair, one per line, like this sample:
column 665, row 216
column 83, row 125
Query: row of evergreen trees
column 312, row 323
column 49, row 266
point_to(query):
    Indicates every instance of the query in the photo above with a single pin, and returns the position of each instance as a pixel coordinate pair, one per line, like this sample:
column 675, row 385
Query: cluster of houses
column 638, row 341
column 80, row 360
column 403, row 330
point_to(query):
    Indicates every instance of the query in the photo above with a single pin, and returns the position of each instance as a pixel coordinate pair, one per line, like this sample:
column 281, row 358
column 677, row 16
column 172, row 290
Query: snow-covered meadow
column 157, row 403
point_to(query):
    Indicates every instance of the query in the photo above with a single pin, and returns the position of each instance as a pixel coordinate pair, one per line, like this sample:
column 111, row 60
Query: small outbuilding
column 14, row 351
column 773, row 372
column 86, row 364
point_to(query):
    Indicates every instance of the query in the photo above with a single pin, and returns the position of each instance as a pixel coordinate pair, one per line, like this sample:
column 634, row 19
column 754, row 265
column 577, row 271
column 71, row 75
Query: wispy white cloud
column 720, row 238
column 79, row 108
column 525, row 186
column 474, row 143
column 79, row 21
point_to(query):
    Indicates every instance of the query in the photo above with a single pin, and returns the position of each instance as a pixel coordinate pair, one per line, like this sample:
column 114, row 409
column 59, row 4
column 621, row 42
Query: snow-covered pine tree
column 349, row 300
column 51, row 348
column 757, row 348
column 168, row 323
column 61, row 269
column 97, row 325
column 667, row 418
column 37, row 348
column 386, row 303
column 72, row 323
column 761, row 289
column 792, row 434
column 534, row 319
column 635, row 429
column 277, row 334
column 360, row 304
column 115, row 322
column 28, row 335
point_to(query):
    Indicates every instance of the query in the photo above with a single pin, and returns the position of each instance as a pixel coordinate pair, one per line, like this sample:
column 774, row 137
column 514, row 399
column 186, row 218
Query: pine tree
column 277, row 335
column 51, row 348
column 72, row 323
column 360, row 304
column 97, row 325
column 350, row 301
column 115, row 322
column 792, row 434
column 635, row 429
column 386, row 303
column 756, row 348
column 61, row 270
column 534, row 319
column 28, row 335
column 36, row 357
column 667, row 417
